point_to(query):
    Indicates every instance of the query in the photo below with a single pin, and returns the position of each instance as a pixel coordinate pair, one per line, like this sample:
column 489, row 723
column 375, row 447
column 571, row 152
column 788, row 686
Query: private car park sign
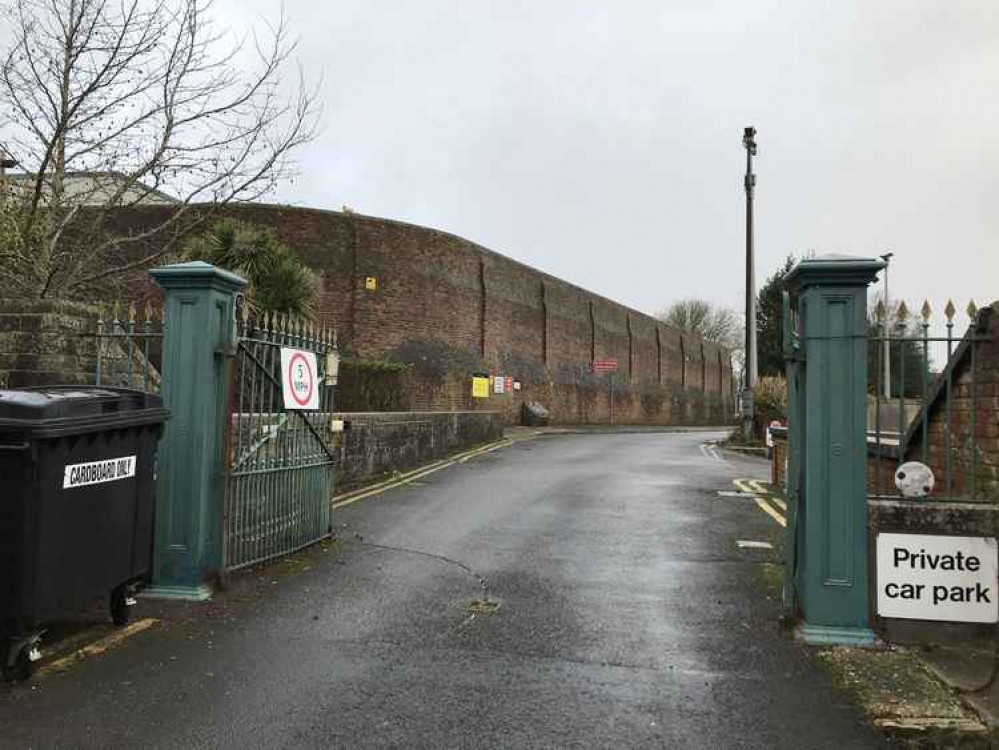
column 299, row 379
column 925, row 577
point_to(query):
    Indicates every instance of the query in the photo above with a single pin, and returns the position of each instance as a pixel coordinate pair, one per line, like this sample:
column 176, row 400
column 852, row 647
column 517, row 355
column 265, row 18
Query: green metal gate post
column 200, row 328
column 831, row 575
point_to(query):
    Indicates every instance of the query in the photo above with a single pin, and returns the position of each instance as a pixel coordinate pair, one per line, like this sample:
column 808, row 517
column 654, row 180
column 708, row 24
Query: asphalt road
column 628, row 618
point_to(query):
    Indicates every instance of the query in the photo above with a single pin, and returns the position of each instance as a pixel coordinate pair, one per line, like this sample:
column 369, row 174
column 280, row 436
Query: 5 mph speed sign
column 299, row 379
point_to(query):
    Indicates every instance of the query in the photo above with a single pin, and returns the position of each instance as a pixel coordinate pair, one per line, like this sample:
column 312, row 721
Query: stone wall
column 924, row 517
column 450, row 308
column 377, row 444
column 42, row 343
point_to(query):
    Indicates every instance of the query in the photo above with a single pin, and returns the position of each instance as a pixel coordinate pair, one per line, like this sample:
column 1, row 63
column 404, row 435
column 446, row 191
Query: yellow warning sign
column 480, row 387
column 370, row 283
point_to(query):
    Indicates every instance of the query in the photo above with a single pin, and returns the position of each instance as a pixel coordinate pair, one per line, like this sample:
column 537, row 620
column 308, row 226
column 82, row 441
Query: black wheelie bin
column 77, row 498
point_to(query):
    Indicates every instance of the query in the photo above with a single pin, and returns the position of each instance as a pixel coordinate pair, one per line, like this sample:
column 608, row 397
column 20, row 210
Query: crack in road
column 483, row 584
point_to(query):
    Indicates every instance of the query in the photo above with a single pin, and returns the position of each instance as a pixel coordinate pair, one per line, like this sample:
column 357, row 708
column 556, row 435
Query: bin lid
column 69, row 409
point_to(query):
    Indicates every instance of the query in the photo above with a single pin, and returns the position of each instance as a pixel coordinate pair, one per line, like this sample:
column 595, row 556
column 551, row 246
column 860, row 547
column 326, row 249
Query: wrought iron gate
column 278, row 463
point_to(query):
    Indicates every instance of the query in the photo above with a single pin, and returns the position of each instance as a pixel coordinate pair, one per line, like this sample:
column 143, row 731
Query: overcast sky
column 601, row 141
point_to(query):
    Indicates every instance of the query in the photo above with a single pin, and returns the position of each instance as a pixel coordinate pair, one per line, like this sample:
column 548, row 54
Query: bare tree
column 702, row 318
column 140, row 97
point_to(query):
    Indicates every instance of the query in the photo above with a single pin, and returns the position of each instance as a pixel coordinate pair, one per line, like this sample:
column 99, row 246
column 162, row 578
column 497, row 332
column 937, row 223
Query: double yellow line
column 761, row 494
column 339, row 501
column 96, row 648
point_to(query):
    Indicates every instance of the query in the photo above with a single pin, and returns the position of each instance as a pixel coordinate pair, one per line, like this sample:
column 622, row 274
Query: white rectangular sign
column 498, row 383
column 98, row 472
column 299, row 379
column 925, row 577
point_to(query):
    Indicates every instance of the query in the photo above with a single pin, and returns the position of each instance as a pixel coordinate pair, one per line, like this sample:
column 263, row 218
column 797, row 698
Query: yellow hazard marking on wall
column 370, row 283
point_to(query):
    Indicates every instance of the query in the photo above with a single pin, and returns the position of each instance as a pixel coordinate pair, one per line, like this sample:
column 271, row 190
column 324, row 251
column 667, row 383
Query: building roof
column 93, row 186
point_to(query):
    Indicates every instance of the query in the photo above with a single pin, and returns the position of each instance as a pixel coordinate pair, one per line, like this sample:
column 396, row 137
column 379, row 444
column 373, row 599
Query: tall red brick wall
column 452, row 308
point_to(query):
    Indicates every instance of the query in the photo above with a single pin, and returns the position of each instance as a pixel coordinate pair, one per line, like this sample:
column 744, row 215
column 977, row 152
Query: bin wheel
column 22, row 668
column 119, row 606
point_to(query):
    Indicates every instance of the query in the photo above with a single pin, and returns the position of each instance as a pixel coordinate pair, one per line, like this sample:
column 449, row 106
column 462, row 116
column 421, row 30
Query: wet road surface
column 627, row 617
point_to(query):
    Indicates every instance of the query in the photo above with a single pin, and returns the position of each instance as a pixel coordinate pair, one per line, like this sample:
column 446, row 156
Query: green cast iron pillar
column 198, row 332
column 830, row 293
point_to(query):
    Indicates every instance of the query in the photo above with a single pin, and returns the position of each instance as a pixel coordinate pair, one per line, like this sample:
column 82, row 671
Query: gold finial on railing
column 879, row 311
column 100, row 312
column 148, row 311
column 131, row 312
column 926, row 312
column 950, row 310
column 115, row 311
column 972, row 309
column 903, row 311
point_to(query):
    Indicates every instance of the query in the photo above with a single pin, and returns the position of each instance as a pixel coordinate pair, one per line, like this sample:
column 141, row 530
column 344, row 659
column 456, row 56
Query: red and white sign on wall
column 299, row 379
column 605, row 365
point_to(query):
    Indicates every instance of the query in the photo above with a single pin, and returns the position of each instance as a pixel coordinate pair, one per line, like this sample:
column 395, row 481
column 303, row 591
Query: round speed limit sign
column 299, row 379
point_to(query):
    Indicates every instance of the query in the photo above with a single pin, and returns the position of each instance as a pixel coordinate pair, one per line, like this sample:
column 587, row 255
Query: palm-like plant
column 278, row 280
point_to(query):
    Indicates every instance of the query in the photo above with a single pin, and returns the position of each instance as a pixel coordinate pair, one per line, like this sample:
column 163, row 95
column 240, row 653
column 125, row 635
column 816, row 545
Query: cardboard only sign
column 299, row 379
column 925, row 577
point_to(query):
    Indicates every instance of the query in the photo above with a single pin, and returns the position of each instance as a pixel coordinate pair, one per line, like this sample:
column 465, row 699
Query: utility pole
column 887, row 331
column 749, row 382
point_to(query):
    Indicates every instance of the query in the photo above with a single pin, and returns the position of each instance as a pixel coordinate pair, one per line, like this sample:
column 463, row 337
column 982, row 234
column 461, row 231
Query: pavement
column 970, row 670
column 566, row 591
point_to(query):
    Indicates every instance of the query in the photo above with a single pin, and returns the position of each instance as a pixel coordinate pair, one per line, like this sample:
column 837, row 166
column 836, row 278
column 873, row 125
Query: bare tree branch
column 111, row 103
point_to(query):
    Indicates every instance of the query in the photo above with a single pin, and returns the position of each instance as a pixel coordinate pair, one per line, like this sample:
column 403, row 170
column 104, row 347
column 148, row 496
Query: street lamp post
column 749, row 382
column 887, row 331
column 6, row 162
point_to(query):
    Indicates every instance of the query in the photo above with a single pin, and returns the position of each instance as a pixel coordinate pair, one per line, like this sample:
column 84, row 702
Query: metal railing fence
column 128, row 346
column 935, row 376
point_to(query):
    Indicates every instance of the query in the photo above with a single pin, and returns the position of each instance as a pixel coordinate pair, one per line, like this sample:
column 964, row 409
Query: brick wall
column 451, row 308
column 380, row 443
